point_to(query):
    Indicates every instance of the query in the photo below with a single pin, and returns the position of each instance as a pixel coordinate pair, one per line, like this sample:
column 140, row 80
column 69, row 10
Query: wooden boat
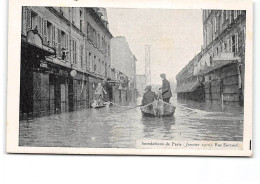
column 158, row 108
column 100, row 105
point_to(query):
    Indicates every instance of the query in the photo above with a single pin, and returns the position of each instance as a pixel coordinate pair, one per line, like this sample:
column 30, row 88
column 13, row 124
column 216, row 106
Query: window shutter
column 45, row 31
column 59, row 42
column 67, row 47
column 236, row 37
column 53, row 37
column 40, row 25
column 87, row 59
column 28, row 20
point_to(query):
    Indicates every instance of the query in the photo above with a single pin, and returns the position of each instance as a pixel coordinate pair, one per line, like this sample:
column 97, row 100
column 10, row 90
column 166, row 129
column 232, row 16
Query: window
column 230, row 16
column 226, row 14
column 105, row 70
column 80, row 22
column 94, row 62
column 236, row 42
column 234, row 46
column 94, row 37
column 98, row 41
column 87, row 59
column 235, row 14
column 74, row 51
column 214, row 24
column 45, row 32
column 81, row 56
column 72, row 13
column 61, row 11
column 63, row 45
column 228, row 45
column 40, row 25
column 34, row 20
column 26, row 19
column 99, row 66
column 102, row 45
column 222, row 16
column 67, row 46
column 49, row 33
column 59, row 43
column 53, row 36
column 90, row 61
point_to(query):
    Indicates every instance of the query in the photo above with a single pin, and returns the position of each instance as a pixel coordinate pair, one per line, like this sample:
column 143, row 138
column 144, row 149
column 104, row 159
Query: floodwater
column 117, row 126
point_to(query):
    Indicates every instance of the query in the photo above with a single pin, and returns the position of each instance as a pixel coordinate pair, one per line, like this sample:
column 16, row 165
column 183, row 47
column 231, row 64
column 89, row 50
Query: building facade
column 220, row 66
column 124, row 60
column 65, row 52
column 190, row 86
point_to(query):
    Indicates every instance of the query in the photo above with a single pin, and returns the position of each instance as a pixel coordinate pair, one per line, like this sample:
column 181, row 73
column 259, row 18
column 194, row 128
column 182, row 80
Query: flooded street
column 118, row 127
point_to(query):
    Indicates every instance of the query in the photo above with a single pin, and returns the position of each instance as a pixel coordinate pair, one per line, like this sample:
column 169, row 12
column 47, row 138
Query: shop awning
column 218, row 63
column 189, row 87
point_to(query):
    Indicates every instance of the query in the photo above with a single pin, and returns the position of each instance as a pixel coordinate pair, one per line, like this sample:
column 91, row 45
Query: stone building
column 124, row 60
column 221, row 64
column 65, row 52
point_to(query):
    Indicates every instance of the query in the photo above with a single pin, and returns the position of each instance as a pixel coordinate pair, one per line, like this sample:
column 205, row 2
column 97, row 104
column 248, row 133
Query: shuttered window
column 59, row 43
column 74, row 50
column 67, row 47
column 45, row 32
column 236, row 42
column 53, row 37
column 81, row 56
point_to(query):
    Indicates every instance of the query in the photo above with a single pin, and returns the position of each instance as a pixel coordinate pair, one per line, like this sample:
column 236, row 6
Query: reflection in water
column 117, row 127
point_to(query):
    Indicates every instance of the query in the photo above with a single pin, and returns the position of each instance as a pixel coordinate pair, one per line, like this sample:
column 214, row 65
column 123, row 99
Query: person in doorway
column 166, row 89
column 99, row 93
column 149, row 96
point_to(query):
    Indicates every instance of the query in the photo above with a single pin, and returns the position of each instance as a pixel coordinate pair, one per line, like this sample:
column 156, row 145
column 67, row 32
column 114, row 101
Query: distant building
column 140, row 84
column 220, row 66
column 123, row 60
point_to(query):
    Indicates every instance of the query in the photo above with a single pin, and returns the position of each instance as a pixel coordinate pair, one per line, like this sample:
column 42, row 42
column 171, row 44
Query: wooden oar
column 134, row 107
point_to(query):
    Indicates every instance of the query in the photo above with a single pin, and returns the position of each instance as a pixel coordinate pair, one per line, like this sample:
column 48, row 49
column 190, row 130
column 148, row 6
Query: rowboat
column 158, row 108
column 100, row 105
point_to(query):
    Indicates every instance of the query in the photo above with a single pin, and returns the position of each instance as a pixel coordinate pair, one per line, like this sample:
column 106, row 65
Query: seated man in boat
column 149, row 96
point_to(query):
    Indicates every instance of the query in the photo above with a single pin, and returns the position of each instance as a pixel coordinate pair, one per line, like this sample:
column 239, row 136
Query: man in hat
column 149, row 96
column 166, row 89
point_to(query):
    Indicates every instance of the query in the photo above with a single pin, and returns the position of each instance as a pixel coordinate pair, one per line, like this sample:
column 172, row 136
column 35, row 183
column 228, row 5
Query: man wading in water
column 166, row 89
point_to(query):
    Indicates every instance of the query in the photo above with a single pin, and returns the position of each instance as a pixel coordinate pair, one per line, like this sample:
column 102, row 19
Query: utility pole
column 147, row 64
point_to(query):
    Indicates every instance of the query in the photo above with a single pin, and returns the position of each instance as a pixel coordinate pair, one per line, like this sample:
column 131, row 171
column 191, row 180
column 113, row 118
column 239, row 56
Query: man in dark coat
column 149, row 96
column 166, row 89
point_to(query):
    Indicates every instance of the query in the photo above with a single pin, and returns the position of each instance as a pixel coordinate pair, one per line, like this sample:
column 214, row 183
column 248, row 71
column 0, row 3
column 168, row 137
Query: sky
column 175, row 37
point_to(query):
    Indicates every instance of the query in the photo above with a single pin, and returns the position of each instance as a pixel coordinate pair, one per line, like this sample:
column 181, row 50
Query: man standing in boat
column 99, row 93
column 109, row 89
column 166, row 89
column 149, row 96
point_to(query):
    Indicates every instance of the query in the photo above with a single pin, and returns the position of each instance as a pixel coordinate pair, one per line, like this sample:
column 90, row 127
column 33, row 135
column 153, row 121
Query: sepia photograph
column 132, row 78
